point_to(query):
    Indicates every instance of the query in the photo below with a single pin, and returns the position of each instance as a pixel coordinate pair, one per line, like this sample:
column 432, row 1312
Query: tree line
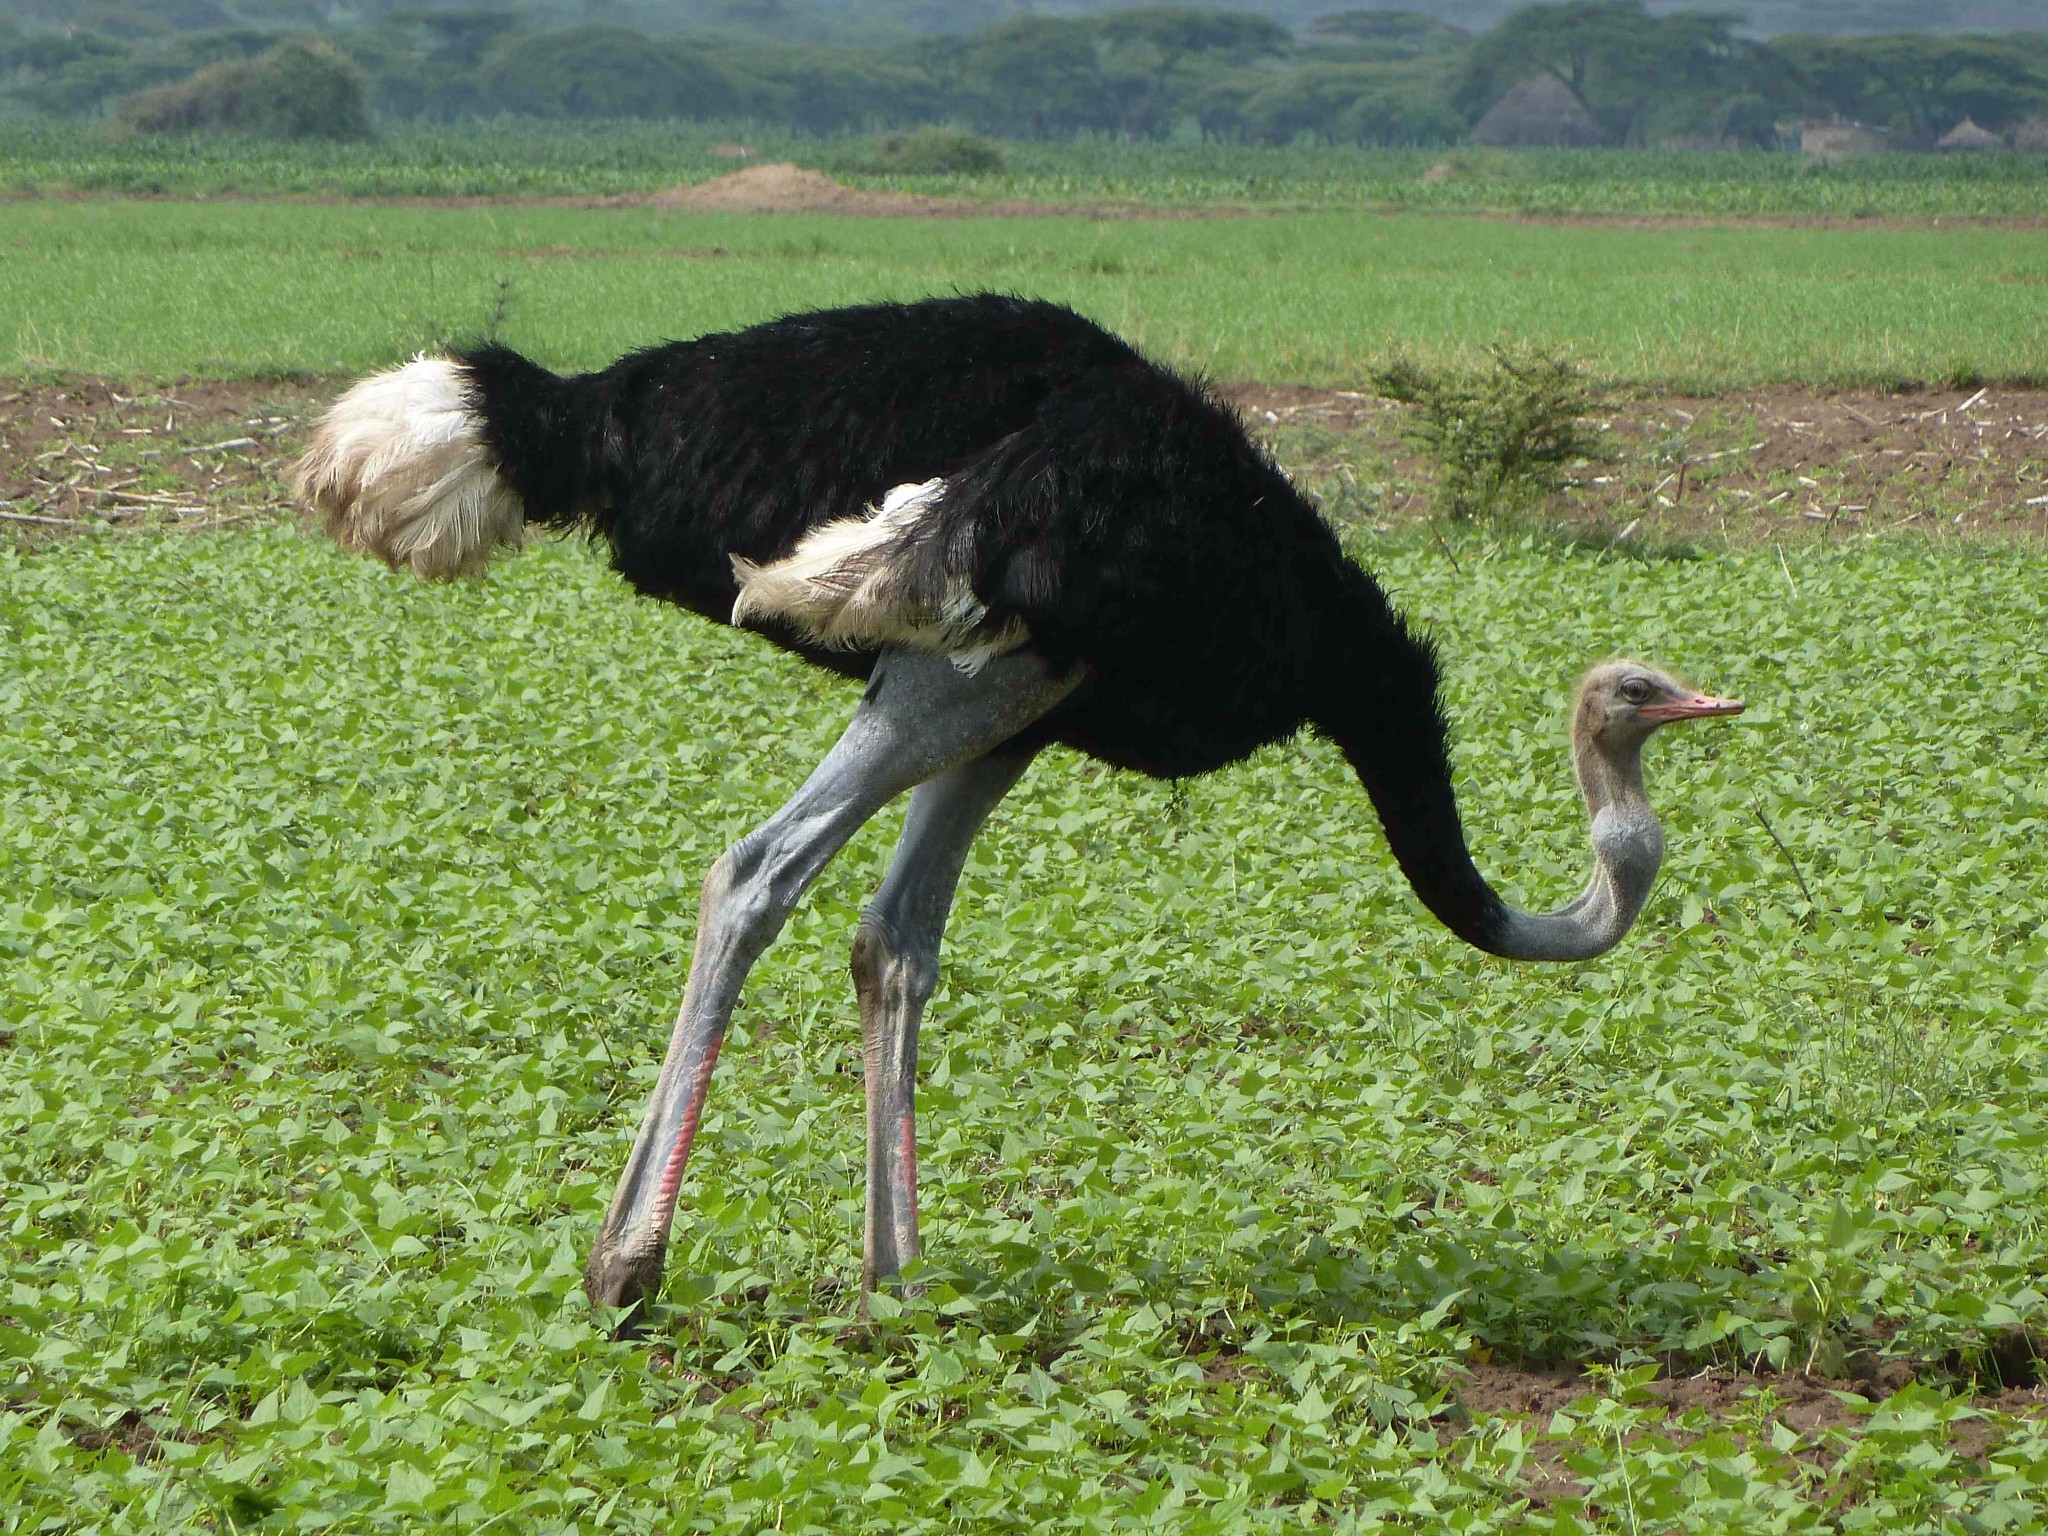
column 1155, row 71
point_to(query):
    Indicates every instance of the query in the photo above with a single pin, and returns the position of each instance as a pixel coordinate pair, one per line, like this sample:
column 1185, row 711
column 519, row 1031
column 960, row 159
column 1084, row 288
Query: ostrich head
column 1620, row 705
column 1621, row 702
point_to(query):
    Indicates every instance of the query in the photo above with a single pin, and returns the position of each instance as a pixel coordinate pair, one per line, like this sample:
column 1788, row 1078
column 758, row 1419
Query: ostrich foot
column 615, row 1278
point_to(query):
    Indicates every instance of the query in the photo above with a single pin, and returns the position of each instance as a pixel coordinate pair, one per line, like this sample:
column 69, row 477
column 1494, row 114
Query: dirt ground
column 89, row 453
column 1759, row 464
column 780, row 187
column 1763, row 465
column 1816, row 1410
column 784, row 187
column 775, row 187
column 1801, row 1401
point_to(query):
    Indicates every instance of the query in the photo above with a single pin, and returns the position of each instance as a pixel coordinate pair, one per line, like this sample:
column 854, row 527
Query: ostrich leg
column 896, row 969
column 920, row 716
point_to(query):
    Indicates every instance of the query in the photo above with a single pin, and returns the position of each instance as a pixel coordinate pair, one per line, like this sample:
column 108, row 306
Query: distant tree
column 1177, row 31
column 1158, row 62
column 834, row 66
column 772, row 18
column 309, row 13
column 195, row 50
column 833, row 90
column 1747, row 119
column 1385, row 35
column 1920, row 85
column 67, row 74
column 1402, row 103
column 1714, row 83
column 1413, row 111
column 1638, row 75
column 193, row 15
column 1035, row 74
column 45, row 53
column 608, row 72
column 1302, row 101
column 459, row 39
column 421, row 69
column 1585, row 44
column 131, row 20
column 299, row 89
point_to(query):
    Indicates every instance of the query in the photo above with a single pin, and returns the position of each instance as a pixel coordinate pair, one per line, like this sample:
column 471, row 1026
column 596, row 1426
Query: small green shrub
column 296, row 90
column 1499, row 441
column 928, row 151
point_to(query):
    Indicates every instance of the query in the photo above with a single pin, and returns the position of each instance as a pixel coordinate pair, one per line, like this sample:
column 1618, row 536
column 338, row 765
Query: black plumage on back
column 1115, row 510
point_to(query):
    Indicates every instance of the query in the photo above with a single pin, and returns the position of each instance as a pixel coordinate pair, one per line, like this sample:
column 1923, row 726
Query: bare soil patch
column 1800, row 1401
column 1767, row 465
column 132, row 1435
column 94, row 453
column 781, row 187
column 1823, row 1414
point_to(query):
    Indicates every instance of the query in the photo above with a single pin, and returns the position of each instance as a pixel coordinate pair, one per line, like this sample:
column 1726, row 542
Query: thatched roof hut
column 1541, row 111
column 2032, row 136
column 1966, row 137
column 1834, row 140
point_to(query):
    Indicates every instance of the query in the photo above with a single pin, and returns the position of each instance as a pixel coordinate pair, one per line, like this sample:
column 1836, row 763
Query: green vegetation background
column 1160, row 71
column 341, row 918
column 247, row 288
column 592, row 161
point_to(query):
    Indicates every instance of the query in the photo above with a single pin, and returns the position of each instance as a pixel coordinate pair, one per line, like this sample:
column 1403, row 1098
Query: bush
column 928, row 151
column 1502, row 441
column 296, row 90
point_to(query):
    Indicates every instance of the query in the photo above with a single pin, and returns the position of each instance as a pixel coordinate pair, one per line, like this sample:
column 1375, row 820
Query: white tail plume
column 398, row 469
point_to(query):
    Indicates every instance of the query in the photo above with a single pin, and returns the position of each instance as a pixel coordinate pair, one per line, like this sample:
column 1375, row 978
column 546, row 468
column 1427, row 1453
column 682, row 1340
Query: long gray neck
column 1379, row 704
column 1627, row 848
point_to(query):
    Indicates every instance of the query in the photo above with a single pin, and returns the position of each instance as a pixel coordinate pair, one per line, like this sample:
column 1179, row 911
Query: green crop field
column 342, row 919
column 537, row 159
column 248, row 288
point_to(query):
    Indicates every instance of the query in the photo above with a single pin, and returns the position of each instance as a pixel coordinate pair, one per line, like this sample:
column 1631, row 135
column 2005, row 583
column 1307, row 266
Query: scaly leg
column 920, row 716
column 896, row 969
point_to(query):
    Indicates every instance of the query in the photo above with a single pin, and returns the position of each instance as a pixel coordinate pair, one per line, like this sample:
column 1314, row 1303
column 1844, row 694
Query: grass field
column 537, row 159
column 342, row 916
column 247, row 288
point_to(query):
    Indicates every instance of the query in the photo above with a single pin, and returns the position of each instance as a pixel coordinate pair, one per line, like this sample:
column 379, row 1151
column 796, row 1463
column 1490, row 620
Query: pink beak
column 1699, row 707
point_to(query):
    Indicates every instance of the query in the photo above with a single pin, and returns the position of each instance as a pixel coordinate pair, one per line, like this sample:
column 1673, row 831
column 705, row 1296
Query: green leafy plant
column 1501, row 440
column 339, row 918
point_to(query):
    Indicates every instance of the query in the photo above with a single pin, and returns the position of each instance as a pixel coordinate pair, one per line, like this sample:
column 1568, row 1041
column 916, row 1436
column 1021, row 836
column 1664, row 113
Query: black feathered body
column 1117, row 510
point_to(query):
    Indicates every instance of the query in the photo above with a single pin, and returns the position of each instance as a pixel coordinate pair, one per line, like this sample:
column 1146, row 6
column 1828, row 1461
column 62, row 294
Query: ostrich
column 1018, row 531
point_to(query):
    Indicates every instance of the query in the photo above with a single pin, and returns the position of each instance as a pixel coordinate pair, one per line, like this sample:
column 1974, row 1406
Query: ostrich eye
column 1636, row 690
